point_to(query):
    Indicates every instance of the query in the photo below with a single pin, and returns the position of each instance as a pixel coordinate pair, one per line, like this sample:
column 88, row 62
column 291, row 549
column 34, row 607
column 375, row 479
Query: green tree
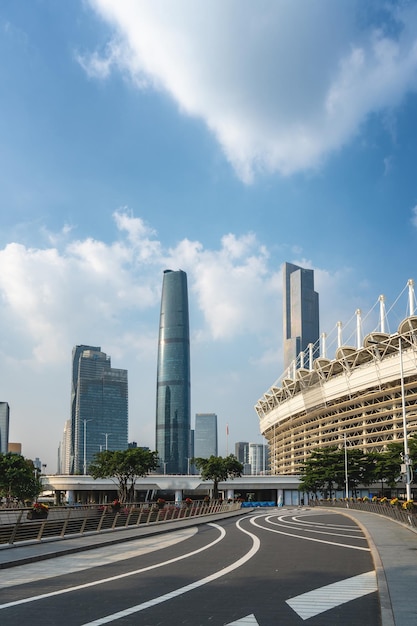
column 389, row 464
column 124, row 465
column 322, row 470
column 218, row 469
column 18, row 478
column 361, row 468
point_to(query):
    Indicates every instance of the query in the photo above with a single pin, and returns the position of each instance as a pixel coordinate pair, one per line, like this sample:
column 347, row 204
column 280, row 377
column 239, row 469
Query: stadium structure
column 364, row 398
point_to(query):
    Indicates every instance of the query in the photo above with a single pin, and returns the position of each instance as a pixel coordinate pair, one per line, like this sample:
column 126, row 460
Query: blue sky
column 221, row 138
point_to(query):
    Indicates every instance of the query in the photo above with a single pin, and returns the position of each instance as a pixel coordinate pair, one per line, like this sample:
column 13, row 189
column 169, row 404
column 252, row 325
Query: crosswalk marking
column 320, row 600
column 249, row 620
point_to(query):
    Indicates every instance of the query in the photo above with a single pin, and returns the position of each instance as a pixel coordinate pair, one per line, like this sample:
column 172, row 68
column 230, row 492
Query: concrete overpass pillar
column 280, row 497
column 230, row 494
column 178, row 495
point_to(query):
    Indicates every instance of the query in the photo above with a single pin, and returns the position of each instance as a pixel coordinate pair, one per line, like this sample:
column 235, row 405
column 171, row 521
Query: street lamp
column 346, row 470
column 107, row 437
column 85, row 443
column 404, row 417
column 406, row 454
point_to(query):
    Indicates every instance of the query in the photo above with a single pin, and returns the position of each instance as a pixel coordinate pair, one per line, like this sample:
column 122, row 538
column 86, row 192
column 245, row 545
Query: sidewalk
column 394, row 550
column 393, row 547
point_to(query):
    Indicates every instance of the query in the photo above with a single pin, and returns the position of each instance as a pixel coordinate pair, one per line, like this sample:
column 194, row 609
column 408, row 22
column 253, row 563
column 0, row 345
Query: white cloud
column 90, row 290
column 280, row 84
column 90, row 287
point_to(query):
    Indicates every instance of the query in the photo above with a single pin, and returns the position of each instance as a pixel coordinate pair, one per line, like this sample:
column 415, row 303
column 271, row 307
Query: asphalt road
column 269, row 568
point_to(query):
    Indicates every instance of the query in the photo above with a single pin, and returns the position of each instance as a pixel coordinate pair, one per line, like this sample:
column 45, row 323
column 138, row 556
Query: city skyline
column 237, row 145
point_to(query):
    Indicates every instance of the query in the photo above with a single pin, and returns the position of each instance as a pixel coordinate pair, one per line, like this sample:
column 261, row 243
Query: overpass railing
column 27, row 525
column 394, row 509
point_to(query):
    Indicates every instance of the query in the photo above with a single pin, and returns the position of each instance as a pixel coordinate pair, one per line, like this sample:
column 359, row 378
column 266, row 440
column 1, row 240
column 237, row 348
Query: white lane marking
column 345, row 527
column 310, row 530
column 178, row 592
column 317, row 601
column 69, row 564
column 249, row 620
column 119, row 576
column 280, row 532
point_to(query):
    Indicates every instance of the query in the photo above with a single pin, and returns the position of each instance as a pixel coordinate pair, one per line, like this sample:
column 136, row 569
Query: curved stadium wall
column 362, row 395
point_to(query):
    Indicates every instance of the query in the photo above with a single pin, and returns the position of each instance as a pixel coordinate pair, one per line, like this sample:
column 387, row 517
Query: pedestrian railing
column 395, row 511
column 60, row 522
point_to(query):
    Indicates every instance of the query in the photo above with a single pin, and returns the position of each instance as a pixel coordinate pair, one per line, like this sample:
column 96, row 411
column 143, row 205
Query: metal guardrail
column 61, row 522
column 408, row 517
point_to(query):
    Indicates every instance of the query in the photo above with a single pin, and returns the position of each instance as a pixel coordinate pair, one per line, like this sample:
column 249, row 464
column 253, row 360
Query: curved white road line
column 310, row 530
column 323, row 525
column 103, row 555
column 178, row 592
column 281, row 532
column 119, row 576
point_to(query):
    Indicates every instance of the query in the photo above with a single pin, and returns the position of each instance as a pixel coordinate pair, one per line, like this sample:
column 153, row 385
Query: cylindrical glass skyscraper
column 173, row 419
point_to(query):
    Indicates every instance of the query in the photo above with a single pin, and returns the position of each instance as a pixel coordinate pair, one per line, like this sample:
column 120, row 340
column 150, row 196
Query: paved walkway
column 393, row 546
column 394, row 550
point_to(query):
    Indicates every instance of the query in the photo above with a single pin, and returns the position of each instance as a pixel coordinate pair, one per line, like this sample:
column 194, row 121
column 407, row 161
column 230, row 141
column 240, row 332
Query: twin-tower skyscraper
column 173, row 387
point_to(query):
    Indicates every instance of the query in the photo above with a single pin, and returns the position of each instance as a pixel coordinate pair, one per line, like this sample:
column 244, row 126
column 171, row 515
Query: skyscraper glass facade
column 76, row 353
column 205, row 435
column 100, row 407
column 173, row 391
column 300, row 315
column 4, row 427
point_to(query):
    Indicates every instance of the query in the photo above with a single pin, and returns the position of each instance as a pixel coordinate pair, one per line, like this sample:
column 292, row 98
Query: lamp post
column 107, row 438
column 406, row 454
column 404, row 417
column 346, row 470
column 85, row 444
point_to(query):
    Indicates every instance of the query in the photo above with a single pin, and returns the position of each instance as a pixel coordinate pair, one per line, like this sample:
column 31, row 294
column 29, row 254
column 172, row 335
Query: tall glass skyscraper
column 4, row 427
column 173, row 387
column 300, row 315
column 205, row 435
column 100, row 406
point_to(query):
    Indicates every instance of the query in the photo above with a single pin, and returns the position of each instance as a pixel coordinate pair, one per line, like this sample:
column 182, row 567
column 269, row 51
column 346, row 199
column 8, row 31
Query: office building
column 242, row 451
column 4, row 427
column 205, row 435
column 76, row 354
column 258, row 458
column 64, row 450
column 100, row 401
column 300, row 318
column 173, row 376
